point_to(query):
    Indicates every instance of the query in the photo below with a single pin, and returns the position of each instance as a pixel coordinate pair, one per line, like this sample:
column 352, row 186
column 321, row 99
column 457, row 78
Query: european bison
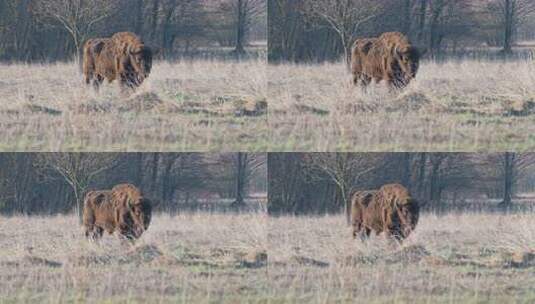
column 123, row 208
column 390, row 209
column 391, row 58
column 124, row 56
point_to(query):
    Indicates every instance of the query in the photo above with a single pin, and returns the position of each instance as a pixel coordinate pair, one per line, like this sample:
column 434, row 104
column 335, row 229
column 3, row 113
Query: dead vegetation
column 452, row 106
column 198, row 258
column 473, row 257
column 195, row 105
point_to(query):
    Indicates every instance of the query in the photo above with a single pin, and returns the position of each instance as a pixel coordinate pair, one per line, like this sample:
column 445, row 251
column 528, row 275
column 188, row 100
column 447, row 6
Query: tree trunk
column 78, row 207
column 406, row 26
column 421, row 21
column 347, row 52
column 138, row 22
column 154, row 173
column 154, row 19
column 434, row 189
column 508, row 179
column 508, row 26
column 241, row 164
column 138, row 169
column 347, row 202
column 240, row 27
column 421, row 175
column 406, row 171
column 434, row 35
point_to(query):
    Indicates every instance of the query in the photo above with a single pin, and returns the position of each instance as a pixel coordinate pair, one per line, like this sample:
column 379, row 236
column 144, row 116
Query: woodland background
column 309, row 30
column 46, row 183
column 49, row 30
column 309, row 183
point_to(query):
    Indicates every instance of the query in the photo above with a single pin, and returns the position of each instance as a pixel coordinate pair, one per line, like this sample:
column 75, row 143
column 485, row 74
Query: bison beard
column 124, row 56
column 390, row 57
column 123, row 209
column 390, row 209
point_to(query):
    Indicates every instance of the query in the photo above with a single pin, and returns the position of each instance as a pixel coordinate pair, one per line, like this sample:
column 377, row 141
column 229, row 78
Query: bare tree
column 511, row 15
column 79, row 170
column 246, row 164
column 513, row 166
column 344, row 17
column 77, row 17
column 345, row 170
column 244, row 12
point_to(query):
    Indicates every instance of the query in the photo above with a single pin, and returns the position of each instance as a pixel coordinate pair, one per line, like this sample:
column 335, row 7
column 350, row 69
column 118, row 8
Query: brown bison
column 124, row 56
column 123, row 209
column 391, row 58
column 390, row 209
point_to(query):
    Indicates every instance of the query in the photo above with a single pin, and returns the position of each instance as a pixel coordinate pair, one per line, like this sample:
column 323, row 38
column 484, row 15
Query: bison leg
column 98, row 233
column 127, row 83
column 94, row 233
column 367, row 232
column 97, row 82
column 366, row 80
column 356, row 230
column 88, row 78
column 356, row 78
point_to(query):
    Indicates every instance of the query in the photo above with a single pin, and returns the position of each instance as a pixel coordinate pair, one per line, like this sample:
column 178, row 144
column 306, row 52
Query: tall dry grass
column 189, row 258
column 184, row 106
column 231, row 258
column 455, row 258
column 451, row 106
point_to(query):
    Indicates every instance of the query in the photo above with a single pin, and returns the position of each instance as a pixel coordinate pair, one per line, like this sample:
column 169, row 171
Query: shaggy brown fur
column 390, row 209
column 124, row 56
column 123, row 209
column 391, row 58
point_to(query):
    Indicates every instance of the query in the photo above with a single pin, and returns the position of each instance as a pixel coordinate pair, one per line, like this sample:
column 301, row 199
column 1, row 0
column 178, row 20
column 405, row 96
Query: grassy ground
column 195, row 258
column 453, row 106
column 200, row 105
column 462, row 258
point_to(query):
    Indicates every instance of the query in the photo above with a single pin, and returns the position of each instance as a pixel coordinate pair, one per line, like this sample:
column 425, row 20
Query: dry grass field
column 199, row 105
column 189, row 258
column 452, row 106
column 455, row 258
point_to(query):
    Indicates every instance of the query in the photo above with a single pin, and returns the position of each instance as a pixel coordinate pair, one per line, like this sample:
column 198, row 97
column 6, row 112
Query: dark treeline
column 316, row 183
column 46, row 30
column 35, row 183
column 310, row 30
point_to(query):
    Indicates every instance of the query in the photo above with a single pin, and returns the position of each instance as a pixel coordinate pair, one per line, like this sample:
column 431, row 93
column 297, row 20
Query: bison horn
column 397, row 51
column 129, row 203
column 134, row 49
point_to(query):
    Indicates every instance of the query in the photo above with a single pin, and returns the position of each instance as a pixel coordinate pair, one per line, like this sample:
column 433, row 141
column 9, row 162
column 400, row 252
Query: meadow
column 457, row 105
column 189, row 105
column 451, row 258
column 187, row 258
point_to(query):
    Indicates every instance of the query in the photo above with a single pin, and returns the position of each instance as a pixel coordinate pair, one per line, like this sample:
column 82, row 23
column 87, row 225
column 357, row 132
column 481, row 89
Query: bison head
column 408, row 214
column 139, row 216
column 141, row 61
column 408, row 58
